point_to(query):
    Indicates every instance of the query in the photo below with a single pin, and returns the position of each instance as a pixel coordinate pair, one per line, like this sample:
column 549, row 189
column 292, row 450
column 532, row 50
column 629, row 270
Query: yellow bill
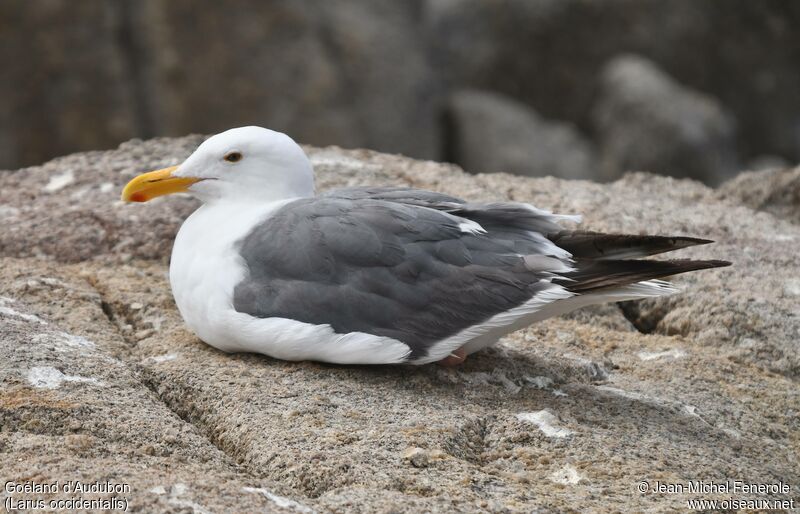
column 156, row 183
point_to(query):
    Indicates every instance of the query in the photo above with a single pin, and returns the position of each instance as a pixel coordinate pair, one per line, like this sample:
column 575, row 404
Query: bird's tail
column 608, row 261
column 592, row 276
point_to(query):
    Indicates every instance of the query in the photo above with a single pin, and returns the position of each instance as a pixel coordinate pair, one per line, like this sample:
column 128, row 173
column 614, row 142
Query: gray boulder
column 549, row 54
column 65, row 85
column 102, row 381
column 92, row 75
column 488, row 132
column 346, row 72
column 644, row 120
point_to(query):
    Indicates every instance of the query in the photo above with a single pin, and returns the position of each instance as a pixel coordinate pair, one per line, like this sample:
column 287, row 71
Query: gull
column 377, row 275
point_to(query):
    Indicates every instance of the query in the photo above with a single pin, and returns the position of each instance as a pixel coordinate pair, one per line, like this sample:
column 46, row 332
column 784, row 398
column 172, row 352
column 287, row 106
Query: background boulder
column 488, row 132
column 646, row 121
column 66, row 84
column 351, row 72
column 549, row 54
column 378, row 73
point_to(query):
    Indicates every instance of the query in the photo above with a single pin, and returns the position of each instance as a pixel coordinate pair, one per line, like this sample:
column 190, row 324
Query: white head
column 241, row 165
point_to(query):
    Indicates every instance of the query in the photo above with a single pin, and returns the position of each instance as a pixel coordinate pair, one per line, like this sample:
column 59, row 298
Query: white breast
column 205, row 266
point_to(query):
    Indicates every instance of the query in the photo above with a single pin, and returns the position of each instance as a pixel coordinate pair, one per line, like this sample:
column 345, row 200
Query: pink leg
column 454, row 359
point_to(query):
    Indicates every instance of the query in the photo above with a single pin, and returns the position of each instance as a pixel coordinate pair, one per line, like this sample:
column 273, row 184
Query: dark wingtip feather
column 593, row 275
column 684, row 265
column 596, row 245
column 686, row 242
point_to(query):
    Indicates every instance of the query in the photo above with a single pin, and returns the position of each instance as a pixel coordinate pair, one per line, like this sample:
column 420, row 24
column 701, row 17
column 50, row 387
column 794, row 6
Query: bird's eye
column 233, row 156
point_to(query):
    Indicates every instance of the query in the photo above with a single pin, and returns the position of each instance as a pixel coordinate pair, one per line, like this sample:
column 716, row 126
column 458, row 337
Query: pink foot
column 454, row 359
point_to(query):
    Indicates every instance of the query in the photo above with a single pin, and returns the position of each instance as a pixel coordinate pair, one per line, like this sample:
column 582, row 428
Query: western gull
column 376, row 275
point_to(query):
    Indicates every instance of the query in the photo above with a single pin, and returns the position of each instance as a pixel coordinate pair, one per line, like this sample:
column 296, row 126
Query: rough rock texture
column 776, row 191
column 103, row 382
column 78, row 409
column 488, row 132
column 647, row 121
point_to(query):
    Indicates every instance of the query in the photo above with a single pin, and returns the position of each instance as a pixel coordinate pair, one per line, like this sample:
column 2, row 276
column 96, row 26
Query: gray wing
column 361, row 261
column 511, row 218
column 404, row 195
column 599, row 261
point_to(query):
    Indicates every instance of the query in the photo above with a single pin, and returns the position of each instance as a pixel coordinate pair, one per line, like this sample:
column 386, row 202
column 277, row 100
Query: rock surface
column 647, row 121
column 776, row 191
column 103, row 382
column 488, row 132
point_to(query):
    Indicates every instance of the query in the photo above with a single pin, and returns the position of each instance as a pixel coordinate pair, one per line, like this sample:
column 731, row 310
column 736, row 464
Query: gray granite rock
column 489, row 132
column 775, row 190
column 647, row 121
column 105, row 382
column 79, row 408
